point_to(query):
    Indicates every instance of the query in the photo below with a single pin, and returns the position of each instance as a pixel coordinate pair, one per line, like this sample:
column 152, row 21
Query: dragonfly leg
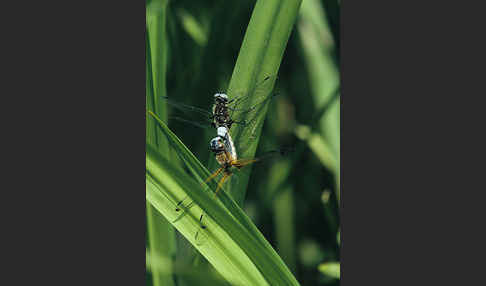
column 243, row 162
column 221, row 182
column 214, row 174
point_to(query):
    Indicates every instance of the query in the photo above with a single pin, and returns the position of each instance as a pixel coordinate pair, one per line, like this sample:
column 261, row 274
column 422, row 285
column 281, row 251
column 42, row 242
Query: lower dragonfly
column 225, row 154
column 224, row 150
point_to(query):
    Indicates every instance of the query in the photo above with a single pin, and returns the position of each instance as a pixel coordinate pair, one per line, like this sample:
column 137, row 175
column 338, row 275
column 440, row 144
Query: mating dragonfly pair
column 224, row 113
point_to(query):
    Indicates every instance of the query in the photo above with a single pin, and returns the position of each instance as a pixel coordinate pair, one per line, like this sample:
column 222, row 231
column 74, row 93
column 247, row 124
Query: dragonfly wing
column 200, row 124
column 247, row 116
column 282, row 152
column 239, row 97
column 221, row 182
column 186, row 107
column 197, row 116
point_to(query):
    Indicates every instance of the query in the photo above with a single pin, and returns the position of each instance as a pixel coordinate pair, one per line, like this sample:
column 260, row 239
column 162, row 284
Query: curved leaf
column 260, row 56
column 231, row 248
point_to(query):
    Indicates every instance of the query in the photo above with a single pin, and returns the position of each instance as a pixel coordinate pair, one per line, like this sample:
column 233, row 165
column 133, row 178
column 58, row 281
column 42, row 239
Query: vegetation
column 275, row 222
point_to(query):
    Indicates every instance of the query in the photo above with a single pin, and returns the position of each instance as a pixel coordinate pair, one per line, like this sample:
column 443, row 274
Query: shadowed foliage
column 275, row 222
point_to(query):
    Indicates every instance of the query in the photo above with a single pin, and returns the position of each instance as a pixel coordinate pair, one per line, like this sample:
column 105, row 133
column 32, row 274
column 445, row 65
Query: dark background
column 411, row 145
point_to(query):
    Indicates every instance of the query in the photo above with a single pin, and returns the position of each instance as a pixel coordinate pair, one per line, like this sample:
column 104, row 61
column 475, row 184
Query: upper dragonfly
column 224, row 112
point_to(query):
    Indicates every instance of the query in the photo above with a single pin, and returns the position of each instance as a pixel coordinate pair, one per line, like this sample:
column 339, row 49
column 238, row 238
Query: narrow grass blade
column 156, row 14
column 260, row 55
column 156, row 66
column 193, row 28
column 284, row 216
column 318, row 145
column 318, row 47
column 161, row 235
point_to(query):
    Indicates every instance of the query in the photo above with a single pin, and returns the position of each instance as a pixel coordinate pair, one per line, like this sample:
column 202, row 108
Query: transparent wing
column 265, row 156
column 203, row 123
column 186, row 107
column 238, row 97
column 281, row 152
column 246, row 116
column 193, row 115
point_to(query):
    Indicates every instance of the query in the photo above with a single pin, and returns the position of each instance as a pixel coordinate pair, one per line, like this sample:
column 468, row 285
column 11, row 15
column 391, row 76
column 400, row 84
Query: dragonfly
column 224, row 151
column 225, row 154
column 224, row 112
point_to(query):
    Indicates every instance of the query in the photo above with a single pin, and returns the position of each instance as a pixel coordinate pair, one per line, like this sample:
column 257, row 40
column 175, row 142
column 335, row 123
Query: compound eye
column 213, row 144
column 224, row 97
column 216, row 144
column 221, row 97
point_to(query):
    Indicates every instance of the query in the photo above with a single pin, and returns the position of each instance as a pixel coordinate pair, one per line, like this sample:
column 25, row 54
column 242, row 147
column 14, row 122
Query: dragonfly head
column 221, row 97
column 216, row 144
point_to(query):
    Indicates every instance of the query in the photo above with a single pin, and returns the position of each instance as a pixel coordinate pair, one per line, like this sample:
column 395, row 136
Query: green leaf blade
column 260, row 56
column 161, row 235
column 174, row 186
